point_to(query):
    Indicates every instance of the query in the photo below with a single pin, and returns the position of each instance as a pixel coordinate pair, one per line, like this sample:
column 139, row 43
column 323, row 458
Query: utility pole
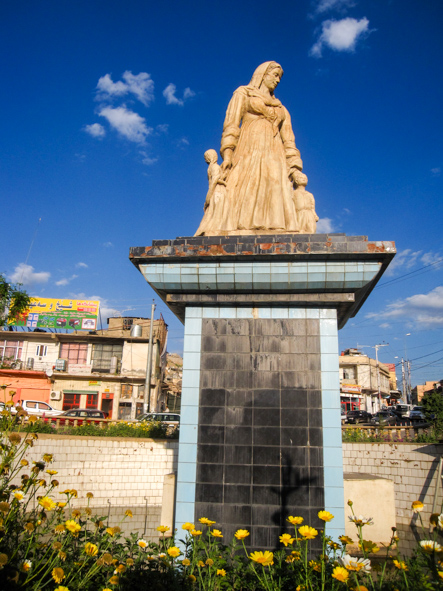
column 376, row 347
column 403, row 381
column 147, row 396
column 409, row 382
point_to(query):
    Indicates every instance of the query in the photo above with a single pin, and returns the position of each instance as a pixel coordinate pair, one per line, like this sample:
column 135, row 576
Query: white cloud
column 66, row 280
column 140, row 85
column 26, row 275
column 128, row 124
column 407, row 259
column 324, row 226
column 147, row 159
column 108, row 244
column 325, row 5
column 436, row 171
column 162, row 128
column 82, row 265
column 424, row 309
column 96, row 130
column 340, row 35
column 171, row 99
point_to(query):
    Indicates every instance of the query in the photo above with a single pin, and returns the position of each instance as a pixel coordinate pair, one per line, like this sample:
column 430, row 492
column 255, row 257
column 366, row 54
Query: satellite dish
column 49, row 372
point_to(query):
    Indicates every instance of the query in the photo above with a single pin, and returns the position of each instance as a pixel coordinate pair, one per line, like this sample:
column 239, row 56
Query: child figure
column 305, row 207
column 214, row 173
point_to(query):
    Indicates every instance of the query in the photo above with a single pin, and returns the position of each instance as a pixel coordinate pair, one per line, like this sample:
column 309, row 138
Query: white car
column 40, row 408
column 417, row 414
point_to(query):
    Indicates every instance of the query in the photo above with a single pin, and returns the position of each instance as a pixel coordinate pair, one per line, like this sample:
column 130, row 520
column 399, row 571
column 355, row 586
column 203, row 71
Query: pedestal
column 260, row 432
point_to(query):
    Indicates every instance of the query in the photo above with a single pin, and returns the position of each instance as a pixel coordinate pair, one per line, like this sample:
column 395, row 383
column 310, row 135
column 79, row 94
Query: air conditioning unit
column 56, row 395
column 30, row 363
column 17, row 364
column 60, row 365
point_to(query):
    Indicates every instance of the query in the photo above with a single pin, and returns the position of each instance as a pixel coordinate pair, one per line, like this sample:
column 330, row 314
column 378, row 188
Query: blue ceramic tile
column 312, row 313
column 330, row 399
column 331, row 420
column 244, row 313
column 329, row 362
column 194, row 312
column 332, row 438
column 187, row 453
column 227, row 312
column 210, row 313
column 191, row 378
column 261, row 268
column 190, row 396
column 333, row 456
column 188, row 434
column 191, row 360
column 298, row 267
column 264, row 312
column 279, row 313
column 328, row 313
column 185, row 491
column 333, row 474
column 329, row 344
column 330, row 380
column 328, row 327
column 297, row 313
column 192, row 343
column 334, row 498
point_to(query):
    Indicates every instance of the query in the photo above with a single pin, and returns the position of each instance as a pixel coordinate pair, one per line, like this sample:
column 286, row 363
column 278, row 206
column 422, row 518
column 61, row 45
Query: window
column 71, row 401
column 74, row 352
column 11, row 350
column 41, row 350
column 349, row 372
column 127, row 323
column 43, row 406
column 102, row 356
column 91, row 401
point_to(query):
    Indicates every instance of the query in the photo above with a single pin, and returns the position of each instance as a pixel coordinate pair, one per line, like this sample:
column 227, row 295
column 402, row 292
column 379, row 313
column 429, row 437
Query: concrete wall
column 121, row 473
column 412, row 467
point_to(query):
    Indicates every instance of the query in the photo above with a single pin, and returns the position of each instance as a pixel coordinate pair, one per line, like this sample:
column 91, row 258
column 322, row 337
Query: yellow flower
column 186, row 562
column 72, row 526
column 3, row 559
column 58, row 574
column 61, row 505
column 340, row 573
column 265, row 558
column 163, row 528
column 128, row 513
column 18, row 496
column 26, row 566
column 206, row 521
column 188, row 526
column 286, row 539
column 201, row 563
column 60, row 529
column 61, row 588
column 24, row 463
column 76, row 513
column 142, row 543
column 106, row 589
column 417, row 506
column 112, row 531
column 196, row 532
column 440, row 573
column 130, row 562
column 295, row 520
column 62, row 555
column 114, row 580
column 241, row 534
column 173, row 551
column 369, row 546
column 192, row 578
column 107, row 558
column 325, row 516
column 47, row 457
column 345, row 540
column 120, row 569
column 51, row 472
column 221, row 572
column 47, row 503
column 308, row 532
column 315, row 565
column 209, row 562
column 400, row 564
column 91, row 549
column 216, row 533
column 89, row 495
column 4, row 507
column 15, row 438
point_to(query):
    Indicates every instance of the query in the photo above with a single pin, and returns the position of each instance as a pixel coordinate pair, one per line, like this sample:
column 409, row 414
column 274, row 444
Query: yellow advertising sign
column 53, row 313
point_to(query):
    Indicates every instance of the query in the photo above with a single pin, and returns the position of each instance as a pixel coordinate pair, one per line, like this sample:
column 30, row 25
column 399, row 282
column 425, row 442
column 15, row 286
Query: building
column 359, row 381
column 103, row 369
column 420, row 390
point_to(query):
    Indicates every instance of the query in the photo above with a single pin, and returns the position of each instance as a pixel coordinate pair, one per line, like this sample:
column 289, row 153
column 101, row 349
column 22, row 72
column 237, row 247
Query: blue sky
column 107, row 108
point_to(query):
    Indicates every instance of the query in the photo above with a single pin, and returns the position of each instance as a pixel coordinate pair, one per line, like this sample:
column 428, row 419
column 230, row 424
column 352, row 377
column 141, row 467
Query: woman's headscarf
column 259, row 74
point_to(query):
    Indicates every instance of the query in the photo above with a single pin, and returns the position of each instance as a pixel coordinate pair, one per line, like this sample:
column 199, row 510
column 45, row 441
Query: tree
column 432, row 403
column 13, row 301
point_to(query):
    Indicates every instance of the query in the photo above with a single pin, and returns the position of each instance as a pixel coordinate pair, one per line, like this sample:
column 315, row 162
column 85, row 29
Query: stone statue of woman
column 261, row 165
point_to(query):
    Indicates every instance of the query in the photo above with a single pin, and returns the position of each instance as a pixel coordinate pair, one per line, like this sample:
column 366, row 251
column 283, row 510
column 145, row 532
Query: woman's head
column 262, row 70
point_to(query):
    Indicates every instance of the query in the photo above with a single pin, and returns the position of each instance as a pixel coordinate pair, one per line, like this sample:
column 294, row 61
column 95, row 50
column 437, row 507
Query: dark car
column 417, row 414
column 82, row 414
column 384, row 417
column 358, row 416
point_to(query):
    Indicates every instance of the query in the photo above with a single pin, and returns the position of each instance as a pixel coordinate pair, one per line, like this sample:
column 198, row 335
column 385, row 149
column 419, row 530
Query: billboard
column 51, row 313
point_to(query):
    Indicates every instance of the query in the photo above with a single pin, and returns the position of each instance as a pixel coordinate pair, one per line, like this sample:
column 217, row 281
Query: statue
column 254, row 189
column 305, row 208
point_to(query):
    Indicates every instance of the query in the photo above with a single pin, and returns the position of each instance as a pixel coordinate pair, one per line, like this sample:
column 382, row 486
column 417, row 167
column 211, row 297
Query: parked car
column 417, row 414
column 37, row 407
column 402, row 410
column 358, row 416
column 384, row 417
column 343, row 416
column 11, row 408
column 169, row 418
column 82, row 414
